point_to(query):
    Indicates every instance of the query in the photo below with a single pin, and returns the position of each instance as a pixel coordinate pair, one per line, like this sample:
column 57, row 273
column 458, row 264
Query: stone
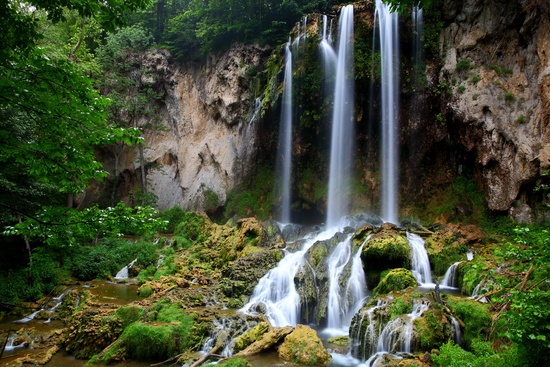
column 395, row 280
column 303, row 346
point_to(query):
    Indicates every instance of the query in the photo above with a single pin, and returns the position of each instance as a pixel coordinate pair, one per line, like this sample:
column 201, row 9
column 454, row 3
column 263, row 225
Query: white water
column 450, row 279
column 276, row 291
column 420, row 262
column 123, row 273
column 284, row 163
column 388, row 28
column 56, row 303
column 342, row 123
column 9, row 344
column 343, row 304
column 457, row 330
column 396, row 337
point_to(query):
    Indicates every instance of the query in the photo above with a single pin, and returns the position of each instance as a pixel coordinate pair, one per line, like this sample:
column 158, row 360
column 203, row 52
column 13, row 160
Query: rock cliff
column 497, row 62
column 206, row 142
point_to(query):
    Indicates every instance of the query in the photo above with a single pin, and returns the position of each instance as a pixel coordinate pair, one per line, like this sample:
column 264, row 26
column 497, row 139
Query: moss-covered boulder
column 395, row 280
column 251, row 336
column 388, row 248
column 269, row 340
column 450, row 244
column 303, row 346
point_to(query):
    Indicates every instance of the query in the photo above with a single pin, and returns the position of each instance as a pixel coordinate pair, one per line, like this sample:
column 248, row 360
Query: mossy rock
column 303, row 346
column 432, row 329
column 339, row 340
column 362, row 234
column 387, row 249
column 395, row 280
column 444, row 248
column 251, row 336
column 242, row 275
column 269, row 340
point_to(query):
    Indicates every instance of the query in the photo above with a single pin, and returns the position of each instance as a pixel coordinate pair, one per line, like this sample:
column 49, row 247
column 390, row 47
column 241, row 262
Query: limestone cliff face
column 497, row 62
column 207, row 144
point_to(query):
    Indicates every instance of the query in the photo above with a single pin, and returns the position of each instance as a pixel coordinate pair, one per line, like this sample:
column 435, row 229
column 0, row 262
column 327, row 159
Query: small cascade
column 123, row 273
column 160, row 260
column 29, row 317
column 342, row 123
column 450, row 279
column 356, row 289
column 457, row 330
column 397, row 335
column 388, row 28
column 344, row 303
column 10, row 346
column 276, row 294
column 367, row 343
column 284, row 162
column 56, row 301
column 255, row 113
column 420, row 262
column 224, row 333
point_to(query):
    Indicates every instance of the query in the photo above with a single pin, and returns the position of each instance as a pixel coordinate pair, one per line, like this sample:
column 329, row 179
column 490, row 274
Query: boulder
column 395, row 280
column 303, row 346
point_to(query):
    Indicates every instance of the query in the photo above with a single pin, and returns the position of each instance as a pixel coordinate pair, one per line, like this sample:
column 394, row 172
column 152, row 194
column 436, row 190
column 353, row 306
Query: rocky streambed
column 189, row 310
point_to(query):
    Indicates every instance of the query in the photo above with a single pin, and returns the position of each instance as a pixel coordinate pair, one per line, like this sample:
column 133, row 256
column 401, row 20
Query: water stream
column 389, row 53
column 284, row 162
column 342, row 123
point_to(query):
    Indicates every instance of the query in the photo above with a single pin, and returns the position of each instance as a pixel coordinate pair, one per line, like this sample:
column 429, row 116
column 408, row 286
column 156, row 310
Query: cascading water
column 396, row 336
column 343, row 304
column 388, row 28
column 450, row 279
column 123, row 273
column 284, row 163
column 420, row 262
column 276, row 291
column 342, row 123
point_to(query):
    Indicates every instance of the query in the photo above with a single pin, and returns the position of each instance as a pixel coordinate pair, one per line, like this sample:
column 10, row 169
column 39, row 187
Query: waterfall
column 450, row 279
column 342, row 123
column 123, row 273
column 388, row 28
column 396, row 336
column 420, row 261
column 343, row 304
column 284, row 164
column 276, row 291
column 457, row 330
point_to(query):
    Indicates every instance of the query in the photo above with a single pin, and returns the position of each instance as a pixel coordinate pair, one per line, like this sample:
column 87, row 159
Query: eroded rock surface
column 497, row 64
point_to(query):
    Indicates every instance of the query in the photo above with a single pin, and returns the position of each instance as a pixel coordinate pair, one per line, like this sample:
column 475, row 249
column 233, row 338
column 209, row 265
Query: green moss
column 401, row 306
column 232, row 362
column 251, row 336
column 395, row 280
column 145, row 291
column 129, row 314
column 475, row 316
column 255, row 199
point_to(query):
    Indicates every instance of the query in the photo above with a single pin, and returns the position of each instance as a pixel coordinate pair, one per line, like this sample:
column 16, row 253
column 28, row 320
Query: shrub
column 173, row 217
column 463, row 65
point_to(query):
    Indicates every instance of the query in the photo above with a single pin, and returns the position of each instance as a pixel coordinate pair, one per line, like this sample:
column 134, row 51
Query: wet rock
column 304, row 346
column 242, row 275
